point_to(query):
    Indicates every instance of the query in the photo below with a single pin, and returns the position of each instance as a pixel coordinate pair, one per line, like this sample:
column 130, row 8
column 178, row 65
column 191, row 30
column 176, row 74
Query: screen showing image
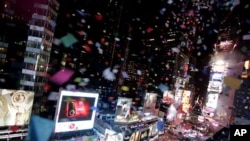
column 150, row 103
column 212, row 100
column 135, row 136
column 113, row 136
column 15, row 107
column 122, row 113
column 144, row 134
column 168, row 97
column 75, row 111
column 153, row 130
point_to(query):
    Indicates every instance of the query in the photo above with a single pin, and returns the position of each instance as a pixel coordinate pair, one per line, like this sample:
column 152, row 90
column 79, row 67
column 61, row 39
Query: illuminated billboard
column 186, row 97
column 15, row 107
column 212, row 100
column 216, row 82
column 150, row 100
column 75, row 111
column 123, row 107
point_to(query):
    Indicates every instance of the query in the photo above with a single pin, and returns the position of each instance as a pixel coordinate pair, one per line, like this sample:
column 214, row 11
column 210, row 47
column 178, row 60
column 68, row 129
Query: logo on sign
column 239, row 131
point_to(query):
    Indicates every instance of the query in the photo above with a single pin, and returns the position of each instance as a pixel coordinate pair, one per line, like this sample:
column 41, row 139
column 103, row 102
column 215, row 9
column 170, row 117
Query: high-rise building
column 13, row 26
column 38, row 46
column 3, row 53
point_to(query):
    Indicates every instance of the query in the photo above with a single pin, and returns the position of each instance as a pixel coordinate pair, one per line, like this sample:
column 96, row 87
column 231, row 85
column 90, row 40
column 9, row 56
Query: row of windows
column 41, row 58
column 34, row 44
column 33, row 78
column 41, row 11
column 33, row 67
column 40, row 34
column 35, row 89
column 10, row 17
column 43, row 23
column 39, row 46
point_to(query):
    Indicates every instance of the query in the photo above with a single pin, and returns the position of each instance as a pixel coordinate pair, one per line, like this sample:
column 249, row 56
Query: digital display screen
column 150, row 103
column 75, row 111
column 135, row 136
column 153, row 129
column 15, row 107
column 123, row 106
column 144, row 134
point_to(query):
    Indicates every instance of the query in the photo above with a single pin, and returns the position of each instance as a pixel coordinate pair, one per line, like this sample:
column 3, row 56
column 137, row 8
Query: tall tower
column 38, row 46
column 13, row 35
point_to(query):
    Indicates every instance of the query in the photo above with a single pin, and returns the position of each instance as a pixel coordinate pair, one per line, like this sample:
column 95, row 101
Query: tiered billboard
column 215, row 86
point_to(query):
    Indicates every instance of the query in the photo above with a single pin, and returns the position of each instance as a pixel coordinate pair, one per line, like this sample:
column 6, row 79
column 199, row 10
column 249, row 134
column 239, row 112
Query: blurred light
column 219, row 62
column 246, row 64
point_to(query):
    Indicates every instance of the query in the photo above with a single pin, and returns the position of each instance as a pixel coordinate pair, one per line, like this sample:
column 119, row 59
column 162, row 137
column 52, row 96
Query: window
column 34, row 44
column 36, row 33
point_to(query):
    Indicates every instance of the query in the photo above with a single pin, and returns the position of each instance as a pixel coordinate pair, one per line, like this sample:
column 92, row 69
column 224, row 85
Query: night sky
column 144, row 26
column 200, row 25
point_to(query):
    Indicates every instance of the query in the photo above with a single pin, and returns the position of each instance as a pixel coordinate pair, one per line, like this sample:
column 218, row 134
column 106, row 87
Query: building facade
column 38, row 46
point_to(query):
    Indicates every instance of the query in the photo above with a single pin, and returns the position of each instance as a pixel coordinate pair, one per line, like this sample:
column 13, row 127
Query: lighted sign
column 150, row 103
column 219, row 67
column 216, row 82
column 113, row 136
column 201, row 118
column 212, row 100
column 15, row 107
column 186, row 100
column 247, row 64
column 123, row 106
column 75, row 111
column 178, row 96
column 217, row 76
column 168, row 97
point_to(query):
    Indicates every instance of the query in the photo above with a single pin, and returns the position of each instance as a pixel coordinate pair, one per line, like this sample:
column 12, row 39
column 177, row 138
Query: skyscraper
column 38, row 46
column 13, row 27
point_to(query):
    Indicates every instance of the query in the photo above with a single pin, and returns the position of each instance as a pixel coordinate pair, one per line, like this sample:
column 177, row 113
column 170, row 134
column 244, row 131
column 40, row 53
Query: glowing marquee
column 186, row 95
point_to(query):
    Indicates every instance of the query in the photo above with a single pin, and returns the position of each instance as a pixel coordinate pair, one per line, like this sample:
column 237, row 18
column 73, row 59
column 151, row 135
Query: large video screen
column 153, row 129
column 149, row 105
column 212, row 100
column 123, row 106
column 75, row 111
column 15, row 107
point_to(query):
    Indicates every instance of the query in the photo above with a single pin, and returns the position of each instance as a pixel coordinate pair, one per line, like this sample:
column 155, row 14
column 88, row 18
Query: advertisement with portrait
column 15, row 107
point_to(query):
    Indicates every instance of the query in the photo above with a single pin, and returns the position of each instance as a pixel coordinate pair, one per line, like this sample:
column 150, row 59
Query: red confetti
column 98, row 17
column 46, row 87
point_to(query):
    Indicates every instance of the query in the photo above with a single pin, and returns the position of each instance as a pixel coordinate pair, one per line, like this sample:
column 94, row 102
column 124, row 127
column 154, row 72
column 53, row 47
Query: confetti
column 43, row 133
column 68, row 40
column 61, row 76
